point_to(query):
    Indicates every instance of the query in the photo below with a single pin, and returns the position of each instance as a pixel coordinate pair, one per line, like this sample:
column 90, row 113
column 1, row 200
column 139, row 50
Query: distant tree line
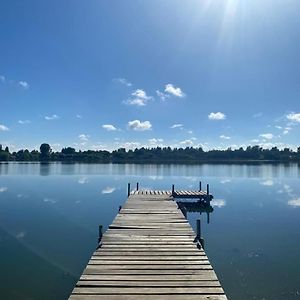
column 152, row 155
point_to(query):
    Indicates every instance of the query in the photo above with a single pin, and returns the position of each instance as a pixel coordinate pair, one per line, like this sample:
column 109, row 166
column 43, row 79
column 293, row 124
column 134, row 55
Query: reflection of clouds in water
column 156, row 177
column 22, row 196
column 218, row 203
column 83, row 180
column 3, row 189
column 190, row 178
column 225, row 180
column 268, row 182
column 20, row 235
column 288, row 190
column 294, row 202
column 48, row 200
column 108, row 190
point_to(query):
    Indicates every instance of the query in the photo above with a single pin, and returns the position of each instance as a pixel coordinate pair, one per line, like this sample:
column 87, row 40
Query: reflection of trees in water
column 44, row 168
column 4, row 168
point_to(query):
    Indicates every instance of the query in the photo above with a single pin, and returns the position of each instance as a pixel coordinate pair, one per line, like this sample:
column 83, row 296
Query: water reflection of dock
column 150, row 252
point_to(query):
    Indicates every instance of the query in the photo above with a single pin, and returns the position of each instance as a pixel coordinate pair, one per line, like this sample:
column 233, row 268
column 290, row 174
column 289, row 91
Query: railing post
column 200, row 186
column 137, row 186
column 173, row 189
column 207, row 189
column 128, row 190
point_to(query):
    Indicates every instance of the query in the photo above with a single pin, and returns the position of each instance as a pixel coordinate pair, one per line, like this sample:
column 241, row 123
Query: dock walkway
column 148, row 253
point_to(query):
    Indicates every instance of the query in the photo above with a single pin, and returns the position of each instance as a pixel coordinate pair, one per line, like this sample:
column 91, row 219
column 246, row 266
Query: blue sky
column 109, row 74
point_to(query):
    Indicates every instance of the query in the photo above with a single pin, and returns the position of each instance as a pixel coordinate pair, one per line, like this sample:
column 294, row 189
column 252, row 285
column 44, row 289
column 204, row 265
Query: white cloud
column 187, row 143
column 217, row 116
column 53, row 117
column 218, row 203
column 139, row 98
column 295, row 117
column 155, row 142
column 258, row 115
column 24, row 122
column 3, row 128
column 3, row 189
column 2, row 78
column 267, row 136
column 109, row 127
column 224, row 137
column 123, row 81
column 294, row 202
column 268, row 182
column 83, row 137
column 175, row 91
column 176, row 126
column 162, row 95
column 278, row 127
column 254, row 141
column 137, row 125
column 23, row 84
column 108, row 190
column 79, row 116
column 131, row 145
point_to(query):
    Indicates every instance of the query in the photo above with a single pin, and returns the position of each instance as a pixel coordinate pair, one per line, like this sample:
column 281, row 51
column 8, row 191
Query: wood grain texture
column 148, row 253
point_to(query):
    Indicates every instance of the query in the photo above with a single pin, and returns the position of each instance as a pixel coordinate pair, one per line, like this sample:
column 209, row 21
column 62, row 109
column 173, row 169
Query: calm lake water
column 49, row 217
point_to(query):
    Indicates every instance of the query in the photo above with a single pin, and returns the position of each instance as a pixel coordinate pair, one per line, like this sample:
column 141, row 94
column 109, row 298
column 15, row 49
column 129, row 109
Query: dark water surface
column 49, row 217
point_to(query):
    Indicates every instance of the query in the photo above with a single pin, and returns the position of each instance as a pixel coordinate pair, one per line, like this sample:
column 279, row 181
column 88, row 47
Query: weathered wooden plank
column 97, row 270
column 148, row 297
column 94, row 266
column 99, row 261
column 149, row 291
column 149, row 258
column 205, row 275
column 126, row 283
column 147, row 253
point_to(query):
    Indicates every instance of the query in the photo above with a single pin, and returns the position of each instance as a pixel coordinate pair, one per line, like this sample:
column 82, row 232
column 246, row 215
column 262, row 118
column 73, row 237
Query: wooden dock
column 149, row 253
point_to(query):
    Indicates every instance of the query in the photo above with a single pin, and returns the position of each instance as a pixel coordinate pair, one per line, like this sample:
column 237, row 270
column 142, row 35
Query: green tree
column 68, row 150
column 45, row 150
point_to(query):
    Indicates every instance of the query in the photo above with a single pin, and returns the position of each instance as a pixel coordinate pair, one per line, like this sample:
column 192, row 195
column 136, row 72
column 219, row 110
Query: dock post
column 200, row 186
column 198, row 237
column 128, row 190
column 198, row 229
column 137, row 186
column 207, row 194
column 100, row 234
column 173, row 189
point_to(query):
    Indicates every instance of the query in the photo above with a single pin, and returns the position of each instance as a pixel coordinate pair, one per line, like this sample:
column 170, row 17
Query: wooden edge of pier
column 150, row 251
